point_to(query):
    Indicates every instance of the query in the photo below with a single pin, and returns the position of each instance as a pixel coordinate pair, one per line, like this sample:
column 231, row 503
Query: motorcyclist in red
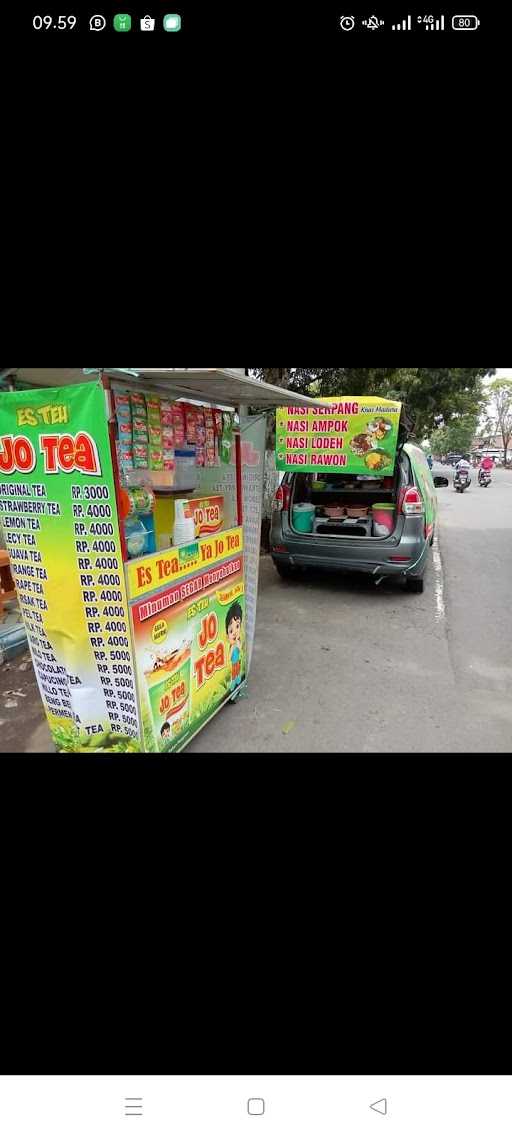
column 487, row 463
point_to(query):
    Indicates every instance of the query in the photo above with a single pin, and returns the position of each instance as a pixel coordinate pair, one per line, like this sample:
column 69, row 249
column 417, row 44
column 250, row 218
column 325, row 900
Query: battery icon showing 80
column 465, row 23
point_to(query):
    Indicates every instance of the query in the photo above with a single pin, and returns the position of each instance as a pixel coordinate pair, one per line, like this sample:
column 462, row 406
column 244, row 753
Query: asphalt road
column 359, row 668
column 344, row 666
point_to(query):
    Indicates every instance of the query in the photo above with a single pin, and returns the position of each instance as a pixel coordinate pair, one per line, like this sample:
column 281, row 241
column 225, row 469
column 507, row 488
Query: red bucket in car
column 383, row 519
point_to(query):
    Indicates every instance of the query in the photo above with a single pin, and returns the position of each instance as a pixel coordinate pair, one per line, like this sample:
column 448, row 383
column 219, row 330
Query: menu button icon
column 133, row 1107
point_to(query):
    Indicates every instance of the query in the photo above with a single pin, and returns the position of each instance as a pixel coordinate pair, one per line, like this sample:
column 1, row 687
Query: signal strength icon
column 405, row 26
column 435, row 26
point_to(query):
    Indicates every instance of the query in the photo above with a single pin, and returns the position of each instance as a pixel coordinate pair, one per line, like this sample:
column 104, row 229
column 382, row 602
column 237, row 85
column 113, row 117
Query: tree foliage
column 457, row 437
column 429, row 392
column 501, row 402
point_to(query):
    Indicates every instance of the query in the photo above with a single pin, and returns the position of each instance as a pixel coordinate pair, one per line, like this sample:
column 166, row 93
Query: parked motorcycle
column 462, row 480
column 484, row 478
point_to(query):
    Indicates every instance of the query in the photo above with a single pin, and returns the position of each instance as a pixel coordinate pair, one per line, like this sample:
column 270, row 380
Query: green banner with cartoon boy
column 190, row 643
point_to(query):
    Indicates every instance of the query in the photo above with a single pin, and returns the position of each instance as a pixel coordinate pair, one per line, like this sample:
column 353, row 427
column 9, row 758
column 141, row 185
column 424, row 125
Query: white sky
column 501, row 373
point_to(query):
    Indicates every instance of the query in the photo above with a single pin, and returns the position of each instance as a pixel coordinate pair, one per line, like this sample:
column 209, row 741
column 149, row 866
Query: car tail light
column 412, row 504
column 282, row 498
column 397, row 558
column 279, row 549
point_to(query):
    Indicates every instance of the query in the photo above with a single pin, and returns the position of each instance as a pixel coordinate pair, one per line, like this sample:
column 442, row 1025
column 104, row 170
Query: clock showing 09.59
column 54, row 23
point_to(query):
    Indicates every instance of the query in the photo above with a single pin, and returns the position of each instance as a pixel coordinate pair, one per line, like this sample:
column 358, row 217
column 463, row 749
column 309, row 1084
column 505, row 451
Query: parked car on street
column 383, row 527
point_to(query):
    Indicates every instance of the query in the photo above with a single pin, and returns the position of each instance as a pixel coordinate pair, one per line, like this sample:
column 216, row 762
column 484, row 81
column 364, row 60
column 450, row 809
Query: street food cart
column 131, row 505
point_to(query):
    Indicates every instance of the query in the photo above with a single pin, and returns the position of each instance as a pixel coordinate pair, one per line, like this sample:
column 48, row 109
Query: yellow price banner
column 147, row 574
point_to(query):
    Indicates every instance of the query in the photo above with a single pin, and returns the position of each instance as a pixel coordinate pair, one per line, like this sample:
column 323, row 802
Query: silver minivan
column 346, row 535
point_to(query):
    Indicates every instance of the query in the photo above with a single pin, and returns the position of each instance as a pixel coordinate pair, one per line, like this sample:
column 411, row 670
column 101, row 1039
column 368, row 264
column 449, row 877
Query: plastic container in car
column 383, row 519
column 303, row 517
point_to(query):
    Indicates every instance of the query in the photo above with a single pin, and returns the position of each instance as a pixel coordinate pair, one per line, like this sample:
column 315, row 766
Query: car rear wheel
column 285, row 570
column 414, row 584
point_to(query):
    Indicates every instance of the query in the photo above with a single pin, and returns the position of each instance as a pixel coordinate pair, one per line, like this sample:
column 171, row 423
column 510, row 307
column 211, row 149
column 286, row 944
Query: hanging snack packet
column 191, row 425
column 210, row 436
column 166, row 413
column 138, row 405
column 217, row 415
column 168, row 446
column 200, row 427
column 200, row 455
column 140, row 427
column 140, row 456
column 153, row 407
column 125, row 452
column 122, row 405
column 140, row 431
column 156, row 455
column 156, row 459
column 126, row 456
column 139, row 418
column 227, row 439
column 178, row 414
column 124, row 427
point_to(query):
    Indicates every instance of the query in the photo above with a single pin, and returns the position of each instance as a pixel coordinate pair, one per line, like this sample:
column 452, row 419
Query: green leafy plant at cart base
column 201, row 713
column 221, row 692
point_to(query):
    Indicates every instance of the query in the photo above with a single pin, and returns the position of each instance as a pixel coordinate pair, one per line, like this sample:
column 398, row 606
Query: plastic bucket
column 303, row 518
column 383, row 518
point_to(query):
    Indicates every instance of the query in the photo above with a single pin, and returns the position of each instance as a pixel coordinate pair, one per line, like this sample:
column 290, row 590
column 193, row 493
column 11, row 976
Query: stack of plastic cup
column 184, row 531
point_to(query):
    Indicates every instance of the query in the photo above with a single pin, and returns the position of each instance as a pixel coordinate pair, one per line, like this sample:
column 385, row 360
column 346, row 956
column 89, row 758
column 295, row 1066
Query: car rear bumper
column 376, row 558
column 334, row 565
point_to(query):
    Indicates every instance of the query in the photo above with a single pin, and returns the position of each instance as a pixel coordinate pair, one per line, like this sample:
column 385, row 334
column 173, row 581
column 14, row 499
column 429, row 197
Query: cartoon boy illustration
column 166, row 731
column 234, row 635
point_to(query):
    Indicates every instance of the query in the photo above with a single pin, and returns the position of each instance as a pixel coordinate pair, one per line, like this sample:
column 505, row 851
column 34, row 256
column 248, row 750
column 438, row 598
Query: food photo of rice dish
column 362, row 443
column 379, row 428
column 377, row 460
column 369, row 440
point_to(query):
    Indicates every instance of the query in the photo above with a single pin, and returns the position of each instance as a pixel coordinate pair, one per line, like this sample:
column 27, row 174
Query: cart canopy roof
column 227, row 386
